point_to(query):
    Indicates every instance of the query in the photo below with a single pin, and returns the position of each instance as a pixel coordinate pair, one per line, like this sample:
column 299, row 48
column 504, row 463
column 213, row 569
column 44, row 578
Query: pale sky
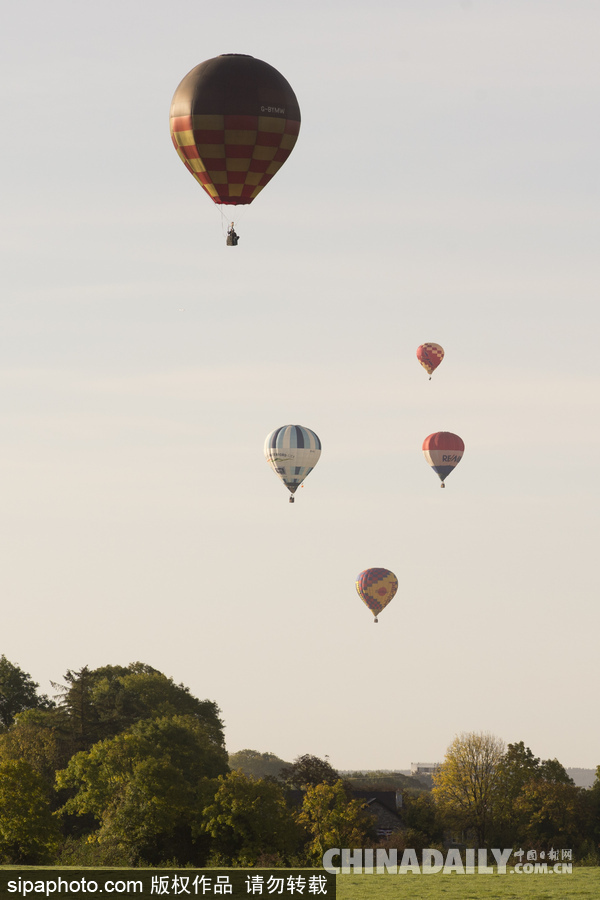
column 444, row 187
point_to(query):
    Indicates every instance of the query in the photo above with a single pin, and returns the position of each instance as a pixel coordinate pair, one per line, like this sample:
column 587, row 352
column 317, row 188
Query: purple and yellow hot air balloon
column 376, row 587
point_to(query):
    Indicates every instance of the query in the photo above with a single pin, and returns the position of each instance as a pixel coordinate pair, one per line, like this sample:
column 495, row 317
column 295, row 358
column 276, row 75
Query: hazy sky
column 445, row 187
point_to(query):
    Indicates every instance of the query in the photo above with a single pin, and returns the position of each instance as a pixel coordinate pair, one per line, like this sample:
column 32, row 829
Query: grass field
column 582, row 884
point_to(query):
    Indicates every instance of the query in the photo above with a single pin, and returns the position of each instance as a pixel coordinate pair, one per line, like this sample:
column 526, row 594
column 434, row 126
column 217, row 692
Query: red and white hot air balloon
column 443, row 451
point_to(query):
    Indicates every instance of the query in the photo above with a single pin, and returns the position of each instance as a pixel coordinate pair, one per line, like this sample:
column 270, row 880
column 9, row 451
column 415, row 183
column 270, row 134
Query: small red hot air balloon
column 443, row 451
column 430, row 356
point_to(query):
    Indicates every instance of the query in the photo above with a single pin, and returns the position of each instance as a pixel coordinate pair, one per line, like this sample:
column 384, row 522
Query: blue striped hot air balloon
column 292, row 451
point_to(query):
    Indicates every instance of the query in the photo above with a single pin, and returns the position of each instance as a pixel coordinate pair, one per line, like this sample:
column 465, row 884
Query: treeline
column 388, row 781
column 262, row 765
column 487, row 794
column 124, row 767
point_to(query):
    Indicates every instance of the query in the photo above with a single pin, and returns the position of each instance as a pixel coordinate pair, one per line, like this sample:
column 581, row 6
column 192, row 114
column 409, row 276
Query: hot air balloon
column 376, row 587
column 430, row 356
column 234, row 122
column 443, row 451
column 293, row 451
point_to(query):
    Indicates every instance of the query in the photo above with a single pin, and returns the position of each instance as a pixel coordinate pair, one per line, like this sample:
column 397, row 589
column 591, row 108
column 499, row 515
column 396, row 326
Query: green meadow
column 582, row 884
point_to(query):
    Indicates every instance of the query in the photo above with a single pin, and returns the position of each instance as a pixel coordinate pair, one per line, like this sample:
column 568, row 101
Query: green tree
column 257, row 765
column 28, row 831
column 146, row 787
column 124, row 696
column 525, row 781
column 18, row 692
column 552, row 813
column 76, row 710
column 553, row 772
column 34, row 738
column 101, row 703
column 309, row 770
column 466, row 786
column 421, row 816
column 594, row 806
column 517, row 768
column 332, row 820
column 249, row 819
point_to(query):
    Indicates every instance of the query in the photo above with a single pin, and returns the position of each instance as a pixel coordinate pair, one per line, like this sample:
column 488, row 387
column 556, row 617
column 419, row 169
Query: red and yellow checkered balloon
column 234, row 121
column 430, row 356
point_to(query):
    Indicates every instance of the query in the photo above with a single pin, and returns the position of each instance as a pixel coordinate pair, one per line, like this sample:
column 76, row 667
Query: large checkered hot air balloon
column 292, row 451
column 430, row 356
column 234, row 122
column 376, row 587
column 443, row 451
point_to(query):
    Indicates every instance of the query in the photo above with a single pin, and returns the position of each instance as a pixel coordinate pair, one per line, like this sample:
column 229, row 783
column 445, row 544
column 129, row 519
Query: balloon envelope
column 234, row 121
column 430, row 356
column 292, row 451
column 443, row 451
column 376, row 587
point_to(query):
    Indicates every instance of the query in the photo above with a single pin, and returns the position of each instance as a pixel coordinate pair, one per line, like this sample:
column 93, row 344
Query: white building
column 421, row 768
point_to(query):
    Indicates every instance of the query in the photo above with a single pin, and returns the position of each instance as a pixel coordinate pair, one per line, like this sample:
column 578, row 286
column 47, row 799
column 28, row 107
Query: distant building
column 420, row 768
